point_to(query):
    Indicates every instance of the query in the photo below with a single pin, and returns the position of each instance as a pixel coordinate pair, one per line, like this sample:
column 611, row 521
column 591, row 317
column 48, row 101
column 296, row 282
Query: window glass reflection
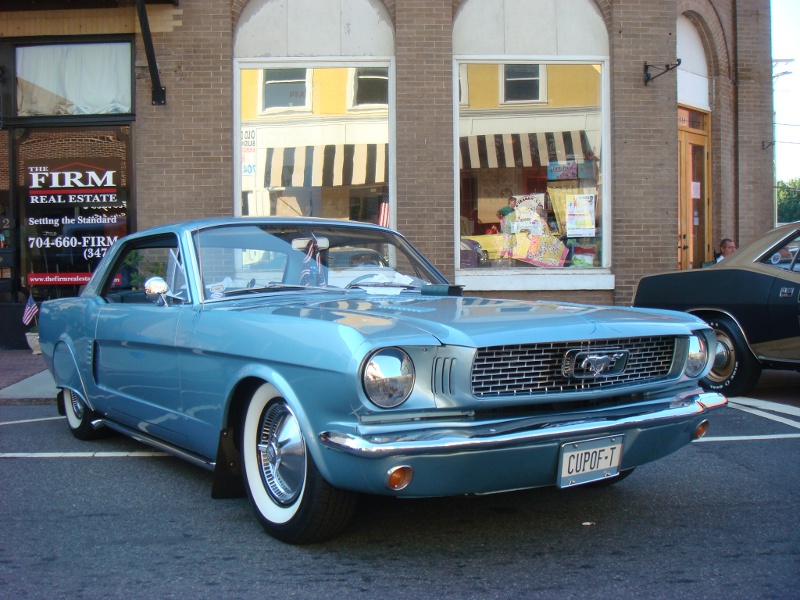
column 74, row 79
column 530, row 193
column 521, row 83
column 315, row 142
column 284, row 88
column 372, row 86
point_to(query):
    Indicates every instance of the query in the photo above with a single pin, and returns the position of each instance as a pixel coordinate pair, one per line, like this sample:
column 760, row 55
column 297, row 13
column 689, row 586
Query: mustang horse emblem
column 585, row 364
column 597, row 364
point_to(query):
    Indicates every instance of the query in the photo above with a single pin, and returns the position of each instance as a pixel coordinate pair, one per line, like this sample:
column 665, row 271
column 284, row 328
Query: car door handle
column 786, row 292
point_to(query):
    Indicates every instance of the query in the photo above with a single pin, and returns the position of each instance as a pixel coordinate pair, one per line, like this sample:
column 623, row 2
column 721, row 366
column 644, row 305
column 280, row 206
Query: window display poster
column 249, row 152
column 530, row 214
column 560, row 171
column 581, row 215
column 74, row 210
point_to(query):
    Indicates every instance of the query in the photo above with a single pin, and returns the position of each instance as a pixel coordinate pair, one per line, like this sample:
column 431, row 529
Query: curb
column 27, row 401
column 36, row 389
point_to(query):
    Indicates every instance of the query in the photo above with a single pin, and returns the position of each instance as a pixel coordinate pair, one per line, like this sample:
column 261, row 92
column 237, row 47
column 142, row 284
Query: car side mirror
column 156, row 290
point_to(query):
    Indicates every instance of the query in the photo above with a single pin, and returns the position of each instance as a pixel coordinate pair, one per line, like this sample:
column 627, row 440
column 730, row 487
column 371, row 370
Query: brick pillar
column 183, row 148
column 754, row 113
column 644, row 143
column 424, row 126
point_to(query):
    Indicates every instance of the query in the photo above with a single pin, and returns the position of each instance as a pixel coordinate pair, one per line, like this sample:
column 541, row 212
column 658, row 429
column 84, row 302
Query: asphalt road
column 111, row 519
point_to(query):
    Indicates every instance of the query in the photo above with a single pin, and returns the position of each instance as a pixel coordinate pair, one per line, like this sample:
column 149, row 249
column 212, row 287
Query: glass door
column 72, row 188
column 695, row 245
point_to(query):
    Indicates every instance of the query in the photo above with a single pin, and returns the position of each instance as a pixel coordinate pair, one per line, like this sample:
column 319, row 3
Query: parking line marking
column 32, row 420
column 767, row 405
column 81, row 454
column 766, row 415
column 747, row 438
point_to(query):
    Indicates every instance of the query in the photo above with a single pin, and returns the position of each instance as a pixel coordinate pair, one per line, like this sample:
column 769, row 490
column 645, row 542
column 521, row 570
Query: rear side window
column 784, row 256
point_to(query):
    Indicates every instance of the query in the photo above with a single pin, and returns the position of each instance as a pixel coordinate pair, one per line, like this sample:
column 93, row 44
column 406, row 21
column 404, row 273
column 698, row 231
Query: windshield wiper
column 270, row 287
column 384, row 284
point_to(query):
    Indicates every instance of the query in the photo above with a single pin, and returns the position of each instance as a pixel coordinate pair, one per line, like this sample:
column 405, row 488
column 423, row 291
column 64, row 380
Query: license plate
column 589, row 460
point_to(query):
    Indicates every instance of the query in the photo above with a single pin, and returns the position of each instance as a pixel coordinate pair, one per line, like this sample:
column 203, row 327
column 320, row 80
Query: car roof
column 204, row 223
column 755, row 250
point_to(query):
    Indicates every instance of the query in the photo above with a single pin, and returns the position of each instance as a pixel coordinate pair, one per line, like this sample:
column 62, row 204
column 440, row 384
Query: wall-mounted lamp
column 666, row 69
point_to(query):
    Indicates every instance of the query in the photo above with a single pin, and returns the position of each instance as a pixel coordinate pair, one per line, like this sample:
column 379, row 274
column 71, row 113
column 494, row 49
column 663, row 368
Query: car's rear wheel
column 735, row 369
column 292, row 500
column 80, row 417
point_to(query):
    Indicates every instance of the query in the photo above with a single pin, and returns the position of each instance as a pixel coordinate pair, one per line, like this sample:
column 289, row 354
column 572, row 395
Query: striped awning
column 324, row 166
column 510, row 150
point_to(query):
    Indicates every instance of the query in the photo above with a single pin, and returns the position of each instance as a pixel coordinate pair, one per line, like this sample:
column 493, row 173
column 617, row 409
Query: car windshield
column 253, row 258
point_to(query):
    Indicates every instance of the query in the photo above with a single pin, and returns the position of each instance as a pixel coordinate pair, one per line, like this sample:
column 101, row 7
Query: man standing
column 726, row 248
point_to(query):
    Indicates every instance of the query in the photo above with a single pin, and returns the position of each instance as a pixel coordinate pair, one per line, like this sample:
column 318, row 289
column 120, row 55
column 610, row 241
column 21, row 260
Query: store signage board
column 75, row 210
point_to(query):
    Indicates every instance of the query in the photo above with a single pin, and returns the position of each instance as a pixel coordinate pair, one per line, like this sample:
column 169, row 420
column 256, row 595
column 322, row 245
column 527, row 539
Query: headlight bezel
column 388, row 377
column 697, row 360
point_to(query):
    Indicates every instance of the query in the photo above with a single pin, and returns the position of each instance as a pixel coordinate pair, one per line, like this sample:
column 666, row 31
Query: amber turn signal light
column 398, row 478
column 701, row 429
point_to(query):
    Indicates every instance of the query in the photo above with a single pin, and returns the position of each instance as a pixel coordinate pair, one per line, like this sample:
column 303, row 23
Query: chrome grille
column 525, row 369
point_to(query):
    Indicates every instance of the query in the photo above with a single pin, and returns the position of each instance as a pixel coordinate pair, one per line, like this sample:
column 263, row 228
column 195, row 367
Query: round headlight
column 697, row 358
column 388, row 377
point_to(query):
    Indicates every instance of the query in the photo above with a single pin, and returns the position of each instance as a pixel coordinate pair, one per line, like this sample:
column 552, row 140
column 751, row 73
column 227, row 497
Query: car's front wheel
column 735, row 369
column 292, row 500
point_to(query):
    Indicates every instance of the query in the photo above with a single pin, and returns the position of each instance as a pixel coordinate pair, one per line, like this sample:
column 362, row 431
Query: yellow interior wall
column 573, row 85
column 328, row 85
column 484, row 86
column 329, row 89
column 249, row 94
column 567, row 85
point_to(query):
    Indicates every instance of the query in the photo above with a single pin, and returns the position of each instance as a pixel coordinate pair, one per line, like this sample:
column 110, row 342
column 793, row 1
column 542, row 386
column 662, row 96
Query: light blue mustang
column 305, row 360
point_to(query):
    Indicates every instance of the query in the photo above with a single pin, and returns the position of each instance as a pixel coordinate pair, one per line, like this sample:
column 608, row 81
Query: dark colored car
column 751, row 299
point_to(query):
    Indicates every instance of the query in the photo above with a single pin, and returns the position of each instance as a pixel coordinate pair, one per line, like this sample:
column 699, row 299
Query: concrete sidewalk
column 24, row 379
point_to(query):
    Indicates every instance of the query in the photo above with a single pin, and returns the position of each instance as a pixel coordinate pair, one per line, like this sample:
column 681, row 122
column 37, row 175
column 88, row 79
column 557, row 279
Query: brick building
column 630, row 134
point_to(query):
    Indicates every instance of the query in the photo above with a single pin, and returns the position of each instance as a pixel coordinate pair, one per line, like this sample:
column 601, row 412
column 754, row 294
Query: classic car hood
column 470, row 321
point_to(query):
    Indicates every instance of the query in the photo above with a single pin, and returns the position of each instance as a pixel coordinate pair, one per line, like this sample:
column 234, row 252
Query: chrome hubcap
column 77, row 405
column 281, row 453
column 724, row 359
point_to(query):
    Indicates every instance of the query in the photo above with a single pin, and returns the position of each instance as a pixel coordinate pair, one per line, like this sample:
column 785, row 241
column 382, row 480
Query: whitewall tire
column 80, row 417
column 290, row 497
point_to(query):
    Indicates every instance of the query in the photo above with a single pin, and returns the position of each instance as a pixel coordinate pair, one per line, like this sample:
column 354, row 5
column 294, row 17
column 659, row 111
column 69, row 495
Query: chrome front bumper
column 514, row 433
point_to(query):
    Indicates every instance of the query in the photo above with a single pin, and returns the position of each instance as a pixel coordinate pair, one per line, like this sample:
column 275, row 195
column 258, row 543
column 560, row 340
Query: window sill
column 534, row 279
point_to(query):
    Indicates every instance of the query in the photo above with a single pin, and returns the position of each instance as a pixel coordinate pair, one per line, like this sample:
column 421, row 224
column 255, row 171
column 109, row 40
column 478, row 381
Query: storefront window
column 530, row 194
column 329, row 160
column 73, row 198
column 73, row 79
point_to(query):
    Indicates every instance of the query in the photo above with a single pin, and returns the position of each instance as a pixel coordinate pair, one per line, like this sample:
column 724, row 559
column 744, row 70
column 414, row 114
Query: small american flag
column 383, row 215
column 31, row 309
column 311, row 274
